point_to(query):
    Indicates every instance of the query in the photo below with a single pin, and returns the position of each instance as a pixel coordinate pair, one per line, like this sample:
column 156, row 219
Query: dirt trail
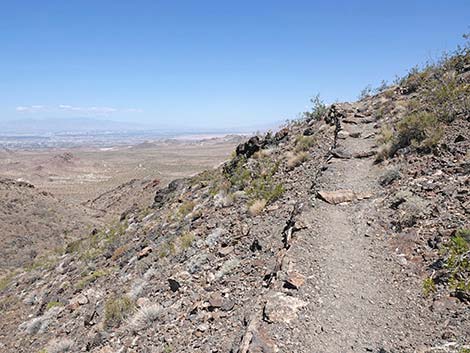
column 358, row 301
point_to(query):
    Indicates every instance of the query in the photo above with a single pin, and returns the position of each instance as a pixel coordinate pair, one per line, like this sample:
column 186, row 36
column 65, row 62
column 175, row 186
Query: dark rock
column 339, row 153
column 308, row 131
column 459, row 138
column 163, row 195
column 389, row 177
column 174, row 285
column 249, row 148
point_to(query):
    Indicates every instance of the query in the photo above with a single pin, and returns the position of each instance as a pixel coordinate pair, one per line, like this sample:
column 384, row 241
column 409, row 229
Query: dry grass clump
column 117, row 309
column 420, row 130
column 304, row 143
column 59, row 346
column 297, row 159
column 145, row 316
column 119, row 252
column 185, row 209
column 257, row 207
column 186, row 240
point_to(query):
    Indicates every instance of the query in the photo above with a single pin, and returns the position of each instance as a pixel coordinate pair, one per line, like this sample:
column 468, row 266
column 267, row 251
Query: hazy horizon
column 209, row 64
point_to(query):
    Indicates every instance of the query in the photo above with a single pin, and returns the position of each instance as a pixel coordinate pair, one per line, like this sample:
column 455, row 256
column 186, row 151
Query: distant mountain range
column 86, row 125
column 73, row 125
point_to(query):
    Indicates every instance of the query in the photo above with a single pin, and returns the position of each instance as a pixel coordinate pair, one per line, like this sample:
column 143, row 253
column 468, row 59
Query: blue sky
column 209, row 63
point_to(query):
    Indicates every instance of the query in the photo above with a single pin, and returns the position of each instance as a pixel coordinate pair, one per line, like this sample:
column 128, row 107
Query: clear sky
column 209, row 63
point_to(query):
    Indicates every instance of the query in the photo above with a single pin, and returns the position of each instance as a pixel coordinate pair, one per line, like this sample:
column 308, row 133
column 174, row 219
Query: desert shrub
column 167, row 248
column 304, row 143
column 89, row 248
column 382, row 87
column 366, row 92
column 120, row 251
column 8, row 302
column 318, row 110
column 145, row 316
column 5, row 281
column 457, row 253
column 258, row 180
column 59, row 346
column 421, row 130
column 429, row 286
column 256, row 207
column 53, row 304
column 186, row 240
column 240, row 176
column 185, row 208
column 117, row 309
column 297, row 159
column 90, row 278
column 446, row 97
column 386, row 135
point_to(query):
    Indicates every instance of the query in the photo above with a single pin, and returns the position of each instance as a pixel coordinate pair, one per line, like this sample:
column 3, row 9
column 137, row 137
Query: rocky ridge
column 302, row 242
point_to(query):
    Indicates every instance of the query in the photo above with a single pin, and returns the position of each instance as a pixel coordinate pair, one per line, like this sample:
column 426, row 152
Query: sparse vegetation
column 257, row 180
column 186, row 240
column 90, row 278
column 59, row 346
column 318, row 109
column 297, row 159
column 257, row 207
column 304, row 143
column 442, row 96
column 168, row 248
column 420, row 130
column 117, row 309
column 429, row 286
column 457, row 262
column 53, row 304
column 145, row 316
column 120, row 251
column 185, row 209
column 366, row 92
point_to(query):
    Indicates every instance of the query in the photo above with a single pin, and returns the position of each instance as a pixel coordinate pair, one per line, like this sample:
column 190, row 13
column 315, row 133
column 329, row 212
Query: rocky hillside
column 33, row 221
column 345, row 231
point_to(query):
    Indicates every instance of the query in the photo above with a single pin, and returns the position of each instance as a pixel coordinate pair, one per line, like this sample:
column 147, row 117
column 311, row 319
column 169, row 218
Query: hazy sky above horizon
column 209, row 63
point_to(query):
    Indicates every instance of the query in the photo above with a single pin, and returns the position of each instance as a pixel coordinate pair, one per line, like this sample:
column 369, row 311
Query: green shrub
column 429, row 286
column 54, row 304
column 318, row 110
column 421, row 130
column 457, row 253
column 117, row 309
column 446, row 97
column 258, row 181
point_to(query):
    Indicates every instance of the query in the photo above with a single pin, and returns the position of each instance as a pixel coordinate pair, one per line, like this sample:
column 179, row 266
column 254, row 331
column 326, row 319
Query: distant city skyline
column 209, row 64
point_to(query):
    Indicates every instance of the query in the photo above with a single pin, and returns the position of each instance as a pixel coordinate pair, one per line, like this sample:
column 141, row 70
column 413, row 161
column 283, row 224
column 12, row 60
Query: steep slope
column 345, row 231
column 34, row 222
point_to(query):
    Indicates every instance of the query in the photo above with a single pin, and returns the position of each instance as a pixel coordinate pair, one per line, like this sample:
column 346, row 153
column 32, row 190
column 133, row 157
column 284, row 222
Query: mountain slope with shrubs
column 266, row 252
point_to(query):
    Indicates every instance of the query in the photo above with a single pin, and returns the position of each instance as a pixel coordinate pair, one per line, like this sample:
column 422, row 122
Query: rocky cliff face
column 334, row 234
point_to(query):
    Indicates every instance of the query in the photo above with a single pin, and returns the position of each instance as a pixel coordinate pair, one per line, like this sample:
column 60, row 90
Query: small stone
column 224, row 251
column 282, row 308
column 144, row 252
column 294, row 280
column 227, row 305
column 216, row 300
column 203, row 327
column 141, row 302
